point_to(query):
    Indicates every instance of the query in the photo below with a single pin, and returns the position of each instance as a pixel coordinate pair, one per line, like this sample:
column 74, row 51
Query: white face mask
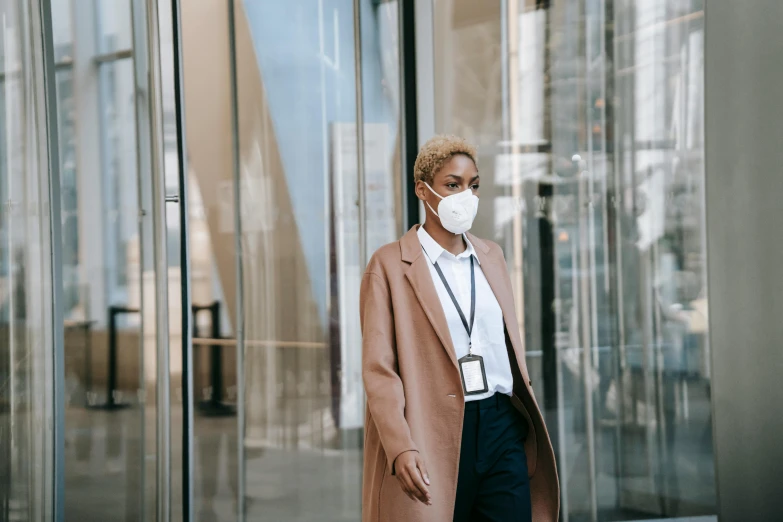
column 456, row 212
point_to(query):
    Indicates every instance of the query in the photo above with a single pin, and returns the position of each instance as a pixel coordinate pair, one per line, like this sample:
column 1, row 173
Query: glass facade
column 27, row 333
column 278, row 242
column 179, row 281
column 588, row 120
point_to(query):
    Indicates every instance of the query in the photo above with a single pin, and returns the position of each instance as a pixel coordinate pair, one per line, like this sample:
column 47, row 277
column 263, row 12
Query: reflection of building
column 300, row 123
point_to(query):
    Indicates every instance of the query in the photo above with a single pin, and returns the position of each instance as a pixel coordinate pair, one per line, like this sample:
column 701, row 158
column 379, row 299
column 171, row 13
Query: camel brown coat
column 414, row 392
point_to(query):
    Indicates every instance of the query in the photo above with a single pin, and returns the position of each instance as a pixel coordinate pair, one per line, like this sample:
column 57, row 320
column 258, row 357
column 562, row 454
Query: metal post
column 111, row 381
column 239, row 260
column 505, row 130
column 184, row 256
column 408, row 113
column 138, row 16
column 160, row 263
column 216, row 355
column 54, row 506
column 112, row 403
column 613, row 223
column 213, row 405
column 517, row 261
column 357, row 54
column 584, row 321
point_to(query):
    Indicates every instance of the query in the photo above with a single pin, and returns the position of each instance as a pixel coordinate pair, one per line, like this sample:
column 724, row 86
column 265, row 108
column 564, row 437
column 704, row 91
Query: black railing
column 214, row 405
column 113, row 401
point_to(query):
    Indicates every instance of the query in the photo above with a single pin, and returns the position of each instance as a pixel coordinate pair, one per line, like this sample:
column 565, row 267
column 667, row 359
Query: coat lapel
column 418, row 274
column 495, row 272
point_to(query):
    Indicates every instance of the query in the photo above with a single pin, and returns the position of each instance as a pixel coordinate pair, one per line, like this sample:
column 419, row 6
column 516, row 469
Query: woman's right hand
column 414, row 480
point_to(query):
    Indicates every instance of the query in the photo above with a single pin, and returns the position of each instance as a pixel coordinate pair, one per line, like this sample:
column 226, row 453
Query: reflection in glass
column 112, row 21
column 26, row 335
column 303, row 405
column 299, row 227
column 101, row 273
column 118, row 167
column 588, row 119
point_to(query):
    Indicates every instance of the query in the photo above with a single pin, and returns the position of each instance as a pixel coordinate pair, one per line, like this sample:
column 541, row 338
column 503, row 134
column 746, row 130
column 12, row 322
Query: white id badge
column 474, row 378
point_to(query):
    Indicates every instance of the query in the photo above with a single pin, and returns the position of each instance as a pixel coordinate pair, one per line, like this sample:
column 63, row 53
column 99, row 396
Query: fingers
column 421, row 491
column 413, row 480
column 408, row 486
column 407, row 492
column 405, row 487
column 412, row 488
column 423, row 470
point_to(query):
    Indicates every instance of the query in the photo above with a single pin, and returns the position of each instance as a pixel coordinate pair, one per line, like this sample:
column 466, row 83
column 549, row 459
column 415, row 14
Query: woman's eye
column 474, row 187
column 452, row 185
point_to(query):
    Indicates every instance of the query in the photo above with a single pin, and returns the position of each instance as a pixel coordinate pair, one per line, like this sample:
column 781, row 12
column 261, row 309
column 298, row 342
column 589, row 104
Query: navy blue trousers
column 493, row 484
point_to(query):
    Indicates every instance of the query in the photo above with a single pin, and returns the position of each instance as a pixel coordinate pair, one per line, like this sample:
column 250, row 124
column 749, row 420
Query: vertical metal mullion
column 584, row 323
column 613, row 208
column 160, row 232
column 187, row 333
column 360, row 171
column 49, row 106
column 143, row 171
column 516, row 253
column 408, row 111
column 589, row 119
column 238, row 261
column 587, row 263
column 357, row 53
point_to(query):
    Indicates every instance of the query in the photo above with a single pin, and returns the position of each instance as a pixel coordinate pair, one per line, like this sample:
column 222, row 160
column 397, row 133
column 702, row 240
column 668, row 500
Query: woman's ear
column 421, row 191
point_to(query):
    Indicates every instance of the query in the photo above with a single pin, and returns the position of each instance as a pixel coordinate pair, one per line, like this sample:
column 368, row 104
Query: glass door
column 294, row 179
column 115, row 269
column 589, row 123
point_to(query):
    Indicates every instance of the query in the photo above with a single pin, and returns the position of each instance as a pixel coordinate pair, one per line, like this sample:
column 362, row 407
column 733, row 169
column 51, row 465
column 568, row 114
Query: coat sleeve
column 382, row 383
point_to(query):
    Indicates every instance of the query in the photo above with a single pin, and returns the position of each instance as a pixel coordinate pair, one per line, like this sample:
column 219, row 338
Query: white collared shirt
column 489, row 339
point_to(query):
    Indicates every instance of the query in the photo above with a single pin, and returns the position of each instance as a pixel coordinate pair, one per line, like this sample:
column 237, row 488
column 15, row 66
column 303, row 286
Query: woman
column 453, row 431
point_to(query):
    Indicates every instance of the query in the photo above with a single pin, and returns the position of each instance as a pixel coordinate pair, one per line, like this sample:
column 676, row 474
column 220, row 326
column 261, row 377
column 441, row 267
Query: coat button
column 529, row 382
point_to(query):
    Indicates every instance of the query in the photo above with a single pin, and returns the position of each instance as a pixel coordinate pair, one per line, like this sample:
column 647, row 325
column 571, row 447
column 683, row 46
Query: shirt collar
column 434, row 250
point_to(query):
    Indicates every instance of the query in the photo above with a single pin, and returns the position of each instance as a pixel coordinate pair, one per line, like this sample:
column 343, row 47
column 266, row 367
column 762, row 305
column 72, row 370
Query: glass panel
column 68, row 190
column 114, row 31
column 26, row 335
column 213, row 280
column 588, row 120
column 174, row 240
column 104, row 365
column 383, row 169
column 62, row 30
column 303, row 409
column 297, row 292
column 118, row 148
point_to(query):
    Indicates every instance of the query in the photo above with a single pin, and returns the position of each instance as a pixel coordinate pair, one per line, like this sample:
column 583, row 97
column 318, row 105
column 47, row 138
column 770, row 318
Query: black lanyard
column 468, row 327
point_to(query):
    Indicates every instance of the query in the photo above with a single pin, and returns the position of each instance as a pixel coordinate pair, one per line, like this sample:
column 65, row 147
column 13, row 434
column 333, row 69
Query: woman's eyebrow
column 459, row 178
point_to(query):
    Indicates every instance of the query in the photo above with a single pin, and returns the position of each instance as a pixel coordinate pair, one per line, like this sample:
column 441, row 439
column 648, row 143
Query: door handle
column 173, row 198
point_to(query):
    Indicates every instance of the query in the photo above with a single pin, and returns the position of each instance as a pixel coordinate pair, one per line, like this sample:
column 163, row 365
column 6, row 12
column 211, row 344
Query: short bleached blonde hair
column 437, row 152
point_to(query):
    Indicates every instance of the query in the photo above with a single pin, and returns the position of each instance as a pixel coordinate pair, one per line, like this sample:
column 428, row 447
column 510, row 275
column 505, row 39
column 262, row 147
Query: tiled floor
column 104, row 469
column 106, row 472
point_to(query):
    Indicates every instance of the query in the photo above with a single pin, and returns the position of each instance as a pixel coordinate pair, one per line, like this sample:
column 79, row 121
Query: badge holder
column 474, row 377
column 471, row 367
